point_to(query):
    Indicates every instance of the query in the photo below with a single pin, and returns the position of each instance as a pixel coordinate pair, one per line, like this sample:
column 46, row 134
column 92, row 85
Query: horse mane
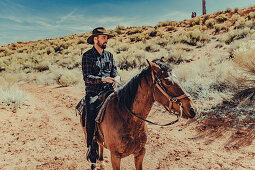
column 127, row 93
column 164, row 66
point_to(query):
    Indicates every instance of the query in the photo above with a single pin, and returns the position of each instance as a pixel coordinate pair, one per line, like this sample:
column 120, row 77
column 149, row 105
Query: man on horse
column 100, row 76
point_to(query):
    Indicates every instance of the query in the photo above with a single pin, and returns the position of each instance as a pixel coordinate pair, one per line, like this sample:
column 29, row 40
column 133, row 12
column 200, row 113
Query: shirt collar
column 96, row 52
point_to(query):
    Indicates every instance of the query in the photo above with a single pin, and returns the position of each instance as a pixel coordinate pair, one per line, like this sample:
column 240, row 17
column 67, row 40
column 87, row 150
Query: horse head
column 168, row 92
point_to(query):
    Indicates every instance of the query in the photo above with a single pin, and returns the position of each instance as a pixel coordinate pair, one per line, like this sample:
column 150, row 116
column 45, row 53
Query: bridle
column 172, row 99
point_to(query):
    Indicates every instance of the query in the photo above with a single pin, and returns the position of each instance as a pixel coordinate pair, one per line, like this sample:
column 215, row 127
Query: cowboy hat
column 98, row 31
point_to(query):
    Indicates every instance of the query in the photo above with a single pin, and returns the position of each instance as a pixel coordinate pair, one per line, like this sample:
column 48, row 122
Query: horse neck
column 144, row 100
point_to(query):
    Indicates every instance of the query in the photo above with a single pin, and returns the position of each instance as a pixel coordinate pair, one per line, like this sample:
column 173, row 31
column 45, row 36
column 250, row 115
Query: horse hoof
column 93, row 166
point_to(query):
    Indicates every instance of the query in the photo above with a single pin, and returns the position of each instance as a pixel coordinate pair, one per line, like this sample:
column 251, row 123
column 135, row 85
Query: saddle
column 101, row 113
column 81, row 106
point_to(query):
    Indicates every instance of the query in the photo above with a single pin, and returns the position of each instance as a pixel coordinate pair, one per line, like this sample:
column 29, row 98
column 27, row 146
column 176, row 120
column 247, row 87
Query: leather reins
column 158, row 83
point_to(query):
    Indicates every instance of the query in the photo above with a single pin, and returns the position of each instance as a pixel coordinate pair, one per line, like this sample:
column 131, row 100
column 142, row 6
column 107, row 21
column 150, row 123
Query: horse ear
column 153, row 66
column 148, row 62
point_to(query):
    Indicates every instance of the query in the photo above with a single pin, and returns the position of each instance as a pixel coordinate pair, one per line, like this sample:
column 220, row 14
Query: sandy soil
column 46, row 134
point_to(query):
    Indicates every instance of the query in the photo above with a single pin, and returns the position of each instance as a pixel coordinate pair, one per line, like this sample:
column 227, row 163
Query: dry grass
column 210, row 79
column 10, row 94
column 244, row 56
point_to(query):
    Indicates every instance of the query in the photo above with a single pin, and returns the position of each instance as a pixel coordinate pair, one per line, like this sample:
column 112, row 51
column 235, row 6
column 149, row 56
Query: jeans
column 92, row 111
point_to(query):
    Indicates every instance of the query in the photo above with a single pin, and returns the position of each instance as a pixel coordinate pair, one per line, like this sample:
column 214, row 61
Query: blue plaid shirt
column 95, row 67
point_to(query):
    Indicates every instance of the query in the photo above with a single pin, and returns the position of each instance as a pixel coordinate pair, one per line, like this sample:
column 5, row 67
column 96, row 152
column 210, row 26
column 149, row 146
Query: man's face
column 101, row 41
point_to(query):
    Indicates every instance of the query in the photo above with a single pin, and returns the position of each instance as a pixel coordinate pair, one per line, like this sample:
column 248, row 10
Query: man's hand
column 108, row 80
column 111, row 81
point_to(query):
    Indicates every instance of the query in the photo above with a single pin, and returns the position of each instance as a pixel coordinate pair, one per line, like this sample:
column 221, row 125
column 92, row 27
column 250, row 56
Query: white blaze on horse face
column 171, row 77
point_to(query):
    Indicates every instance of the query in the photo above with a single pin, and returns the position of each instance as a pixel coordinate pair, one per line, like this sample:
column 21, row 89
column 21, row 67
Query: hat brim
column 90, row 40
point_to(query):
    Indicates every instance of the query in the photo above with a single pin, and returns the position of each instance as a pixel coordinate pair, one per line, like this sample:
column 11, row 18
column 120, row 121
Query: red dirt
column 46, row 134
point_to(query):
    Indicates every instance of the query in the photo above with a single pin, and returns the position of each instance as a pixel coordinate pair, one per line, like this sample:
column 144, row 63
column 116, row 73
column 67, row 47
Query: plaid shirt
column 95, row 67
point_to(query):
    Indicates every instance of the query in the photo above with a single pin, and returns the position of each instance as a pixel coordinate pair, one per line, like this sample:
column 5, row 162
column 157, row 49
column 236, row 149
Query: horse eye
column 167, row 81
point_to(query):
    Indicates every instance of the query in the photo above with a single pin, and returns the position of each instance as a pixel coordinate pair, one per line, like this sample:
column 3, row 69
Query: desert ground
column 212, row 57
column 46, row 134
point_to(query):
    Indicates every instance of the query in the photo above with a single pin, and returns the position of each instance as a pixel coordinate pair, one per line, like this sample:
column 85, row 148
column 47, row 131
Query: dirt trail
column 46, row 134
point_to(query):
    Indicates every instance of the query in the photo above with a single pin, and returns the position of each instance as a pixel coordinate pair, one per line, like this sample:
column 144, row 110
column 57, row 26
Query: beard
column 103, row 46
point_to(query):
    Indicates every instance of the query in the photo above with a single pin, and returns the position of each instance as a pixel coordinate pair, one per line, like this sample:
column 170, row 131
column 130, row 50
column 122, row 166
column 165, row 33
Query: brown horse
column 122, row 130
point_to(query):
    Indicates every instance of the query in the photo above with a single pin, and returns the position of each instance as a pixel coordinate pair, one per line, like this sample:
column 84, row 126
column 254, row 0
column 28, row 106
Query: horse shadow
column 233, row 120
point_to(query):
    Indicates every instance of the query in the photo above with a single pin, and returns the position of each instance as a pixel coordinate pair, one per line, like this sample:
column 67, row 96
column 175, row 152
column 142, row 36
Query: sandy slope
column 46, row 134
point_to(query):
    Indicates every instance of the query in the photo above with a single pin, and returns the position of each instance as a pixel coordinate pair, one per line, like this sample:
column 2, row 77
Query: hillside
column 213, row 57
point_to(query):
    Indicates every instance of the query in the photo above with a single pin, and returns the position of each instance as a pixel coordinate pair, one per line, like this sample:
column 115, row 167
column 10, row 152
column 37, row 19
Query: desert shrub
column 236, row 10
column 121, row 47
column 153, row 33
column 251, row 15
column 194, row 21
column 240, row 23
column 210, row 23
column 126, row 75
column 135, row 57
column 42, row 66
column 197, row 27
column 250, row 24
column 136, row 38
column 209, row 80
column 221, row 18
column 81, row 41
column 119, row 29
column 60, row 47
column 49, row 50
column 191, row 37
column 167, row 23
column 134, row 30
column 10, row 94
column 5, row 51
column 204, row 19
column 151, row 46
column 236, row 35
column 244, row 56
column 234, row 18
column 177, row 53
column 69, row 78
column 171, row 28
column 175, row 56
column 221, row 27
column 228, row 10
column 162, row 41
column 127, row 60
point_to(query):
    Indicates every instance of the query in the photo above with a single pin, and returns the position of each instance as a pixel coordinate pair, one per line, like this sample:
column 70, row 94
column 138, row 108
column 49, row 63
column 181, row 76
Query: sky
column 31, row 20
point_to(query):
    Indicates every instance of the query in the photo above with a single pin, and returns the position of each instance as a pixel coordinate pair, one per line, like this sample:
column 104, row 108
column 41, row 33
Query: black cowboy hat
column 98, row 31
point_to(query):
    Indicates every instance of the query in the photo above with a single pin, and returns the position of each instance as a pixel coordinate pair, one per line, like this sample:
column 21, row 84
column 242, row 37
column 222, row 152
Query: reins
column 168, row 124
column 157, row 83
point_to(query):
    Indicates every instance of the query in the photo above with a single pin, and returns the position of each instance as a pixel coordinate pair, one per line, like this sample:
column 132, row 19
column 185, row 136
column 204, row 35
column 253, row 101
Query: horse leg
column 101, row 157
column 139, row 159
column 115, row 162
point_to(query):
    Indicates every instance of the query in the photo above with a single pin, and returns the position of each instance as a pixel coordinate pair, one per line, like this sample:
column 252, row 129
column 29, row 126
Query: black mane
column 127, row 93
column 164, row 66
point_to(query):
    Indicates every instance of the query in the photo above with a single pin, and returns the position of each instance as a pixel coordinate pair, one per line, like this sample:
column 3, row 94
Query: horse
column 123, row 130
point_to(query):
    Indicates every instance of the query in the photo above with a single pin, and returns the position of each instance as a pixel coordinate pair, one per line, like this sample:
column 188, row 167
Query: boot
column 92, row 153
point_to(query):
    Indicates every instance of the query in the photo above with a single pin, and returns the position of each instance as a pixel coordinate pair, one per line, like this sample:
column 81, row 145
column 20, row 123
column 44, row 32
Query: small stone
column 177, row 158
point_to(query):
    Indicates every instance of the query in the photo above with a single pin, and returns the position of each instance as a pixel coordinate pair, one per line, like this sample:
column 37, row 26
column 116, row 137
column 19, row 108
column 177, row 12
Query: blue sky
column 25, row 20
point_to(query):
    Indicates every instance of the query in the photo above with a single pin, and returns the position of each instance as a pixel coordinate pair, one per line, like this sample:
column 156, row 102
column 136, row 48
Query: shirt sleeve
column 87, row 70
